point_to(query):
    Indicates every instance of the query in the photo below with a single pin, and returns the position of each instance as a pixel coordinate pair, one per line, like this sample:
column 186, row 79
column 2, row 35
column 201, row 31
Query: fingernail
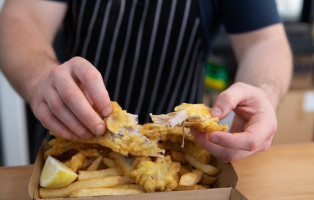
column 106, row 111
column 215, row 140
column 100, row 129
column 216, row 111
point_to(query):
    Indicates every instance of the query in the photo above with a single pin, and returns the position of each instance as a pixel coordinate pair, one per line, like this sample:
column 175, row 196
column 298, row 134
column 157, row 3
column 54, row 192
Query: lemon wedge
column 56, row 174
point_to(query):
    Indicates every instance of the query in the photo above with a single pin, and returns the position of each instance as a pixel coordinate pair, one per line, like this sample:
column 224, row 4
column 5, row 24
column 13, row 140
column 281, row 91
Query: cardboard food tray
column 223, row 188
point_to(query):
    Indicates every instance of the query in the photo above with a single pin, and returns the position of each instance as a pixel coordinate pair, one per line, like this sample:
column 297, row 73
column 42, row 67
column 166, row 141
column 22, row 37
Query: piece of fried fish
column 195, row 116
column 123, row 135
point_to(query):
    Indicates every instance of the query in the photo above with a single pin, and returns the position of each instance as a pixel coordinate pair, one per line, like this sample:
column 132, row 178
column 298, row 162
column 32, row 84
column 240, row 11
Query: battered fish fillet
column 195, row 116
column 161, row 175
column 124, row 135
column 166, row 133
column 119, row 120
column 123, row 163
column 59, row 146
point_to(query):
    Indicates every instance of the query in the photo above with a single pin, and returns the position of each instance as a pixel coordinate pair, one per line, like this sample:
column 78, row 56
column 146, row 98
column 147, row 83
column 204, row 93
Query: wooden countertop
column 14, row 182
column 283, row 172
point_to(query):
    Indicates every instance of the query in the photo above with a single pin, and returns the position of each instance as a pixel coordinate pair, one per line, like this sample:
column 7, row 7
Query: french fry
column 197, row 152
column 183, row 188
column 95, row 164
column 177, row 156
column 206, row 168
column 125, row 180
column 109, row 181
column 77, row 162
column 109, row 162
column 207, row 180
column 98, row 173
column 103, row 191
column 131, row 186
column 203, row 187
column 90, row 153
column 109, row 170
column 191, row 178
column 184, row 170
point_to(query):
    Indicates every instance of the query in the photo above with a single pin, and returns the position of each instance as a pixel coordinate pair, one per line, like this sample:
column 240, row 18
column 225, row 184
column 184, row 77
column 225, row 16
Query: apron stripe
column 176, row 56
column 90, row 28
column 102, row 33
column 136, row 57
column 125, row 48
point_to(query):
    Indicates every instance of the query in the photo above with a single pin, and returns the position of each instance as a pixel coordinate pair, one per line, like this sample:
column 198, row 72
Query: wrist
column 36, row 80
column 272, row 94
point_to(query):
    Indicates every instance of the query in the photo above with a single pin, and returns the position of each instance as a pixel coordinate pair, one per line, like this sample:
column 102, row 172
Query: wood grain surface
column 14, row 182
column 283, row 172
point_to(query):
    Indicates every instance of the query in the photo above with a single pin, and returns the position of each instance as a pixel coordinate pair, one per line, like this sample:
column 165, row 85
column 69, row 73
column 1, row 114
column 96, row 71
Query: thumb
column 228, row 100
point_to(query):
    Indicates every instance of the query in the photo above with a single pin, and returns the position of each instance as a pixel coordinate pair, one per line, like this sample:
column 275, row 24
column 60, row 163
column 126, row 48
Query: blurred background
column 295, row 115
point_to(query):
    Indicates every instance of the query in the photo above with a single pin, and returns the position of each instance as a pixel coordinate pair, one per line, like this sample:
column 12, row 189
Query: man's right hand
column 71, row 100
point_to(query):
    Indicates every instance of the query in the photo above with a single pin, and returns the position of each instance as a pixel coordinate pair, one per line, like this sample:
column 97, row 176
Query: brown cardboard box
column 223, row 188
column 296, row 117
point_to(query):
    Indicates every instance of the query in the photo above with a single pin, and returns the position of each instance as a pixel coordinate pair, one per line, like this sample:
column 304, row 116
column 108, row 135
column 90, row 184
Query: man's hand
column 253, row 127
column 67, row 101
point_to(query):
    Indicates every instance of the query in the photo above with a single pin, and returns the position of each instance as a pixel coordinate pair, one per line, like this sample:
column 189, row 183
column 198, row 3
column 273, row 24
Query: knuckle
column 242, row 86
column 252, row 143
column 46, row 120
column 90, row 75
column 77, row 60
column 252, row 146
column 54, row 72
column 228, row 157
column 69, row 95
column 56, row 106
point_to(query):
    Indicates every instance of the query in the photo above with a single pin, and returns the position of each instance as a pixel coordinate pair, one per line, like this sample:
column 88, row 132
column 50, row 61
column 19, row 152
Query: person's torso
column 151, row 53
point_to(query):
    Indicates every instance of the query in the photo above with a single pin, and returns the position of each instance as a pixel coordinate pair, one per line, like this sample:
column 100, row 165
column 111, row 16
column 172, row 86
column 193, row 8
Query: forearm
column 26, row 36
column 267, row 64
column 25, row 55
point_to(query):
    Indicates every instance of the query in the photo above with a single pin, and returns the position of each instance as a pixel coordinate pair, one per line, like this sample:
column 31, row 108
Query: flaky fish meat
column 195, row 116
column 166, row 133
column 124, row 135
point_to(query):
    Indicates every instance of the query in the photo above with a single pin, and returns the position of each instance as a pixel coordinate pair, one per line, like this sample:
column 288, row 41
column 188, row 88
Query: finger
column 62, row 112
column 221, row 153
column 50, row 122
column 230, row 99
column 251, row 139
column 92, row 81
column 76, row 101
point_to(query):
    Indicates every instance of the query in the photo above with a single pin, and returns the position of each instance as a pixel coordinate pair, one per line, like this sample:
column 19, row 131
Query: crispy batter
column 189, row 148
column 195, row 116
column 123, row 135
column 59, row 146
column 120, row 119
column 161, row 175
column 164, row 133
column 77, row 162
column 128, row 143
column 132, row 147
